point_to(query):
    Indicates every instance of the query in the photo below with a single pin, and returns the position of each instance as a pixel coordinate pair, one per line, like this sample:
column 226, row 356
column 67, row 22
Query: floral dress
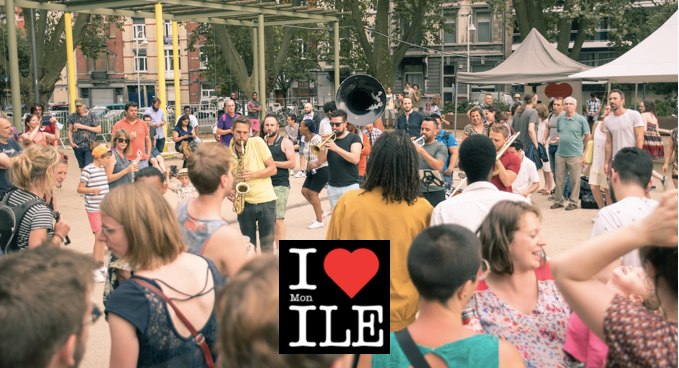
column 539, row 336
column 469, row 129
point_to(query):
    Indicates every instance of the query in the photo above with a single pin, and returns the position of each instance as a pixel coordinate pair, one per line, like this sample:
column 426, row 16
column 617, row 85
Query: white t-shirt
column 324, row 126
column 620, row 214
column 622, row 129
column 528, row 174
column 471, row 207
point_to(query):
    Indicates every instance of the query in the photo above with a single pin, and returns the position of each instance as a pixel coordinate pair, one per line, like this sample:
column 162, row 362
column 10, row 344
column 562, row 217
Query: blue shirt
column 449, row 142
column 571, row 133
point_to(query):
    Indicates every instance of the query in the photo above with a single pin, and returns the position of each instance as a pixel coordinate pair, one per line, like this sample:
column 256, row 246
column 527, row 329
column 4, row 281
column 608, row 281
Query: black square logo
column 334, row 297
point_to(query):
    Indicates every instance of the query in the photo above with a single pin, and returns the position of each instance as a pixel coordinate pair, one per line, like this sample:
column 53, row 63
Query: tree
column 413, row 22
column 88, row 33
column 558, row 20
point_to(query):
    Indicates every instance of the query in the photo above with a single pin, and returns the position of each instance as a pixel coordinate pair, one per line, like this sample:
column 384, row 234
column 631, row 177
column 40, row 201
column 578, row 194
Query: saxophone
column 242, row 188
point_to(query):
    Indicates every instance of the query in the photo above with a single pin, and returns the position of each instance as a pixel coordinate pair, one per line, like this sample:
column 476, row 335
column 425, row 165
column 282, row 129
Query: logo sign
column 334, row 297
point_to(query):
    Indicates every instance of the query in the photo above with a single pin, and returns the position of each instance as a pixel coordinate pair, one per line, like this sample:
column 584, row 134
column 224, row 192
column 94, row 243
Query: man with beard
column 8, row 149
column 283, row 153
column 159, row 123
column 225, row 122
column 344, row 153
column 54, row 296
column 252, row 163
column 254, row 108
column 410, row 121
column 432, row 156
column 623, row 127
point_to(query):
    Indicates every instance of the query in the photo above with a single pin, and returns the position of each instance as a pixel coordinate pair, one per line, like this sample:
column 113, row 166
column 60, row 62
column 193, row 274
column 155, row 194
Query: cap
column 100, row 150
column 183, row 172
column 517, row 95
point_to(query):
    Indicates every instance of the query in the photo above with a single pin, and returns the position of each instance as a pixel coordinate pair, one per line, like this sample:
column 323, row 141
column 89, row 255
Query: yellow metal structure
column 160, row 57
column 177, row 75
column 70, row 64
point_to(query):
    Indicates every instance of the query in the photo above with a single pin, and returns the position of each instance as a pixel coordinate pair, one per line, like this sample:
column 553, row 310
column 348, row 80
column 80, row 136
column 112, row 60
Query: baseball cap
column 100, row 150
column 183, row 172
column 516, row 95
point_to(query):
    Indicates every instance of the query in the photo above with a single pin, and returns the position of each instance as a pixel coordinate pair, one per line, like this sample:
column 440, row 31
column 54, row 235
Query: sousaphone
column 362, row 97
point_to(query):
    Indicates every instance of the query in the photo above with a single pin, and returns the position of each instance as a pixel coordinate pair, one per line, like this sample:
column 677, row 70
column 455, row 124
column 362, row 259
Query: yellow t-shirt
column 256, row 152
column 361, row 215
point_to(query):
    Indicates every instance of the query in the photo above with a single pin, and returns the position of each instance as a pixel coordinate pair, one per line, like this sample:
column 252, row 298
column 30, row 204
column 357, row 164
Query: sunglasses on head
column 336, row 124
column 122, row 140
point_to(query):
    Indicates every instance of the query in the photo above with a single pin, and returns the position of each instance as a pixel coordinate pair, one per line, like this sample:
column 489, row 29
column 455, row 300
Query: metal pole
column 443, row 36
column 137, row 66
column 13, row 63
column 255, row 69
column 469, row 20
column 70, row 61
column 160, row 57
column 34, row 55
column 335, row 27
column 455, row 98
column 261, row 47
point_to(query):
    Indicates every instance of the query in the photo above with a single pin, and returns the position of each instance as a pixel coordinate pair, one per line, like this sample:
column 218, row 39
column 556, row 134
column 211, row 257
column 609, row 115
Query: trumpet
column 318, row 148
column 420, row 140
column 497, row 157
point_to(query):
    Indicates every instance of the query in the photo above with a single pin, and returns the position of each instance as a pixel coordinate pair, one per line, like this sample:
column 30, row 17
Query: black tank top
column 282, row 176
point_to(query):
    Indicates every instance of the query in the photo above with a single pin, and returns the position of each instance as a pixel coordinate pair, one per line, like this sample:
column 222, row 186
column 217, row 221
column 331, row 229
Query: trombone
column 420, row 140
column 318, row 148
column 497, row 157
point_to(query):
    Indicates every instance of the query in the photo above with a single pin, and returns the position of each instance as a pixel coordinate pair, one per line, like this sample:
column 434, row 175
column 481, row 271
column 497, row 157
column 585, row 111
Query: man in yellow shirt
column 256, row 169
column 388, row 197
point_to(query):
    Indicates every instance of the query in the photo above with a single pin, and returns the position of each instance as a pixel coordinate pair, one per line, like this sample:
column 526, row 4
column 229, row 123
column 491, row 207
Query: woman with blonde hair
column 32, row 175
column 518, row 300
column 171, row 292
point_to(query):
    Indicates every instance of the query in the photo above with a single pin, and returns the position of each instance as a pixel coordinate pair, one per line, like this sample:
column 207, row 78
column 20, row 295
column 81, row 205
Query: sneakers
column 315, row 225
column 100, row 274
column 556, row 205
column 300, row 174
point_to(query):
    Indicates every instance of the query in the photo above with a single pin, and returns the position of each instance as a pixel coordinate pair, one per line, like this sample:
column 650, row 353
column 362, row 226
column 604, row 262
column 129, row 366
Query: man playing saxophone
column 253, row 164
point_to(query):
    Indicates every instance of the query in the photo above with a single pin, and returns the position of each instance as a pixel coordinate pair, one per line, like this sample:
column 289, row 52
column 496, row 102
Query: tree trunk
column 564, row 36
column 237, row 64
column 522, row 17
column 579, row 39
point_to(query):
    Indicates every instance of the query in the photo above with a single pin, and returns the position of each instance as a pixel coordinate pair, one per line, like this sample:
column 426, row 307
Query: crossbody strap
column 197, row 336
column 415, row 357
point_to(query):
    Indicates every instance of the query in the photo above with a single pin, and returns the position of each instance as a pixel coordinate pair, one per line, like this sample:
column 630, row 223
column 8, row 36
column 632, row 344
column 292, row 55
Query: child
column 94, row 185
column 156, row 158
column 186, row 189
column 581, row 343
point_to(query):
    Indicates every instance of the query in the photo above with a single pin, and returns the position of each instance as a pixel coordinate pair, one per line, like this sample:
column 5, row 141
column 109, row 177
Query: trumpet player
column 252, row 163
column 509, row 164
column 344, row 153
column 432, row 155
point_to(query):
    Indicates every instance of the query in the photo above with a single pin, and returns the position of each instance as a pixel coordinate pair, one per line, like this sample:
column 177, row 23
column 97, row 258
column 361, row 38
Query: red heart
column 558, row 90
column 351, row 271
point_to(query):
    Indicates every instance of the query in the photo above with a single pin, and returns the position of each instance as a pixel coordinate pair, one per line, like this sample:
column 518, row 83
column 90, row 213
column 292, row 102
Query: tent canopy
column 652, row 60
column 534, row 61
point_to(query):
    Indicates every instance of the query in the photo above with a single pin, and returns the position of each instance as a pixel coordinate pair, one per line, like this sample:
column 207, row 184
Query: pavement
column 561, row 230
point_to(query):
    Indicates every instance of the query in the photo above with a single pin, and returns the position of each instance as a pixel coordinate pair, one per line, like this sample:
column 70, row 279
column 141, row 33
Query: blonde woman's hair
column 150, row 225
column 33, row 168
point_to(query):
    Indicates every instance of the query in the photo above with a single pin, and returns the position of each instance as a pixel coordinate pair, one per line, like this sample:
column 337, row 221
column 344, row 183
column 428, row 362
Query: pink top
column 540, row 335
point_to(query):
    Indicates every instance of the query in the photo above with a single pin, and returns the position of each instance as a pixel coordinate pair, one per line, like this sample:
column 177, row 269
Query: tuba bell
column 362, row 97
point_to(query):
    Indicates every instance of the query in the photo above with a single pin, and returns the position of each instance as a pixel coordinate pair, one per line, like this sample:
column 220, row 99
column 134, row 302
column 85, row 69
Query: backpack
column 587, row 200
column 10, row 220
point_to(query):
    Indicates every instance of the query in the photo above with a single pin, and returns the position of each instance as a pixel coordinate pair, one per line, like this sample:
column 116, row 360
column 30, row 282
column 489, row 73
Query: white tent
column 653, row 60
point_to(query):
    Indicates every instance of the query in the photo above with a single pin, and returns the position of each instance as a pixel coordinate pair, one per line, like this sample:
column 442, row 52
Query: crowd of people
column 470, row 281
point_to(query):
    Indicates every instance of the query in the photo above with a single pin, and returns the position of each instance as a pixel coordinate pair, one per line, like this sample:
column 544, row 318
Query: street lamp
column 144, row 42
column 470, row 27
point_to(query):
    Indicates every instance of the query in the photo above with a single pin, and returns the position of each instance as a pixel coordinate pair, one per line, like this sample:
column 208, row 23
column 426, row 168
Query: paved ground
column 560, row 228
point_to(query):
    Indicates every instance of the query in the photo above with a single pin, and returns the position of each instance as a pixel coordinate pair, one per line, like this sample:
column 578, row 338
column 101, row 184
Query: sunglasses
column 336, row 124
column 122, row 140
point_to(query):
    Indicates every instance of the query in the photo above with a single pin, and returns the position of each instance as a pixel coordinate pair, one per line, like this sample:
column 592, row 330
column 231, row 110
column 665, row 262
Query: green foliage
column 638, row 22
column 666, row 107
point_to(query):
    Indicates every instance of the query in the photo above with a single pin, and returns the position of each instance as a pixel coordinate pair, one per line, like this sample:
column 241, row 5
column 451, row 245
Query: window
column 138, row 29
column 448, row 81
column 203, row 59
column 169, row 63
column 167, row 39
column 140, row 60
column 449, row 29
column 483, row 27
column 207, row 90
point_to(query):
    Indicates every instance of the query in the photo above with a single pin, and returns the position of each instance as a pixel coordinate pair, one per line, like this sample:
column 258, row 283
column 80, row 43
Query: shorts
column 390, row 114
column 316, row 182
column 334, row 193
column 282, row 193
column 546, row 167
column 597, row 177
column 154, row 152
column 95, row 221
